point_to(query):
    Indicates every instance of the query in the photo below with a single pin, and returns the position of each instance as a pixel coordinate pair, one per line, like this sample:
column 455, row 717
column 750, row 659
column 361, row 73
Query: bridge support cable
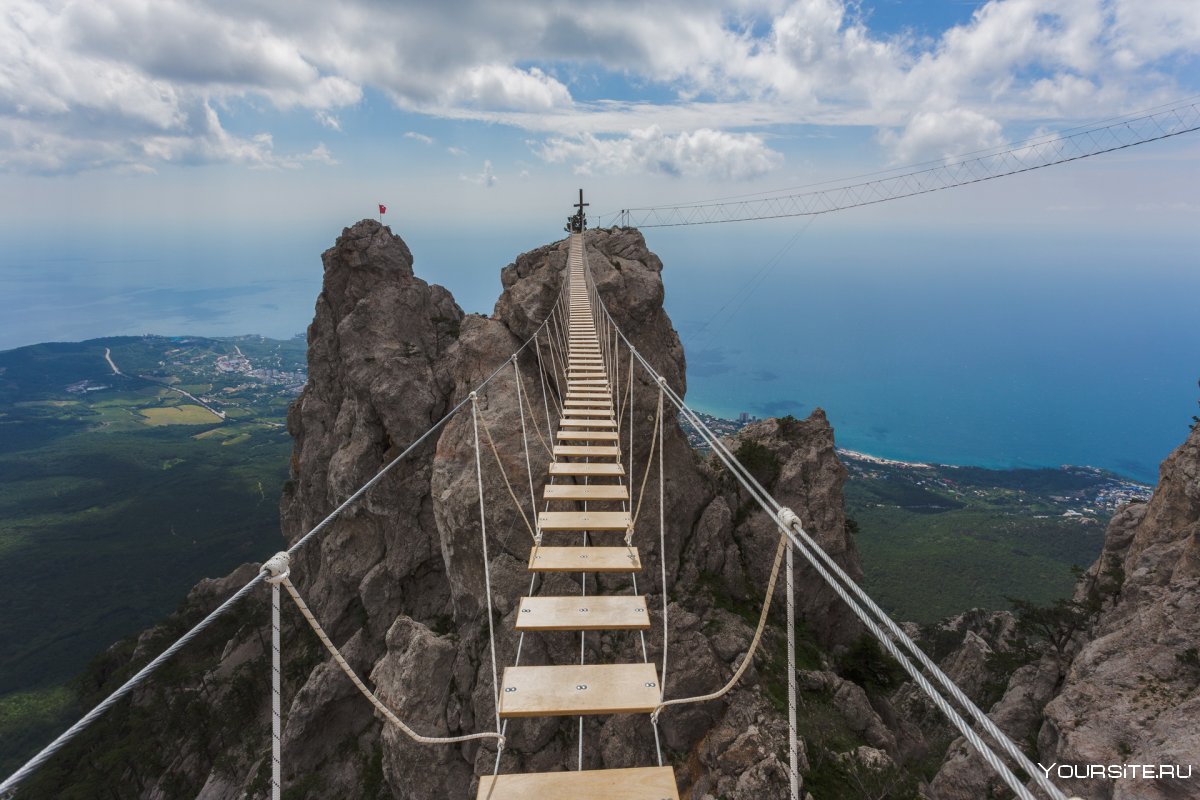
column 827, row 568
column 278, row 573
column 14, row 780
column 663, row 546
column 545, row 403
column 278, row 569
column 793, row 737
column 1037, row 153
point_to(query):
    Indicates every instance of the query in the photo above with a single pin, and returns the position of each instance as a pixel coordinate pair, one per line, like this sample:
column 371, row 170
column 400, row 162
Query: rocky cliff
column 1122, row 686
column 398, row 580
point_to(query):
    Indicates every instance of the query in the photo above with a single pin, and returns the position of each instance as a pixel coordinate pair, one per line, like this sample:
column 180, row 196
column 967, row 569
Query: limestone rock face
column 801, row 469
column 404, row 573
column 1128, row 691
column 399, row 582
column 1132, row 693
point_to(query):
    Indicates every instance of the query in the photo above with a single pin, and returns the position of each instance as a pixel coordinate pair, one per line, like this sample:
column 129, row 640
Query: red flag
column 382, row 208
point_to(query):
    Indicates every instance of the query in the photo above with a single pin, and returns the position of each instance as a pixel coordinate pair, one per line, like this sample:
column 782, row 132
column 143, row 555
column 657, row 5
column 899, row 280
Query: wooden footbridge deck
column 595, row 505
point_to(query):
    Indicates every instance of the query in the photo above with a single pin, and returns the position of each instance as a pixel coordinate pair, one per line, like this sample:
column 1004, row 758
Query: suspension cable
column 487, row 566
column 30, row 766
column 1038, row 153
column 800, row 539
column 372, row 697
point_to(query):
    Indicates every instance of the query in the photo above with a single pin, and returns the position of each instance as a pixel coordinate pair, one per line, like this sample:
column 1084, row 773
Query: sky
column 162, row 162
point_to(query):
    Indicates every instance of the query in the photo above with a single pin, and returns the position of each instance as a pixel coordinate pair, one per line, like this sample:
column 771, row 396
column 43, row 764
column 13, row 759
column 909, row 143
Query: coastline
column 725, row 427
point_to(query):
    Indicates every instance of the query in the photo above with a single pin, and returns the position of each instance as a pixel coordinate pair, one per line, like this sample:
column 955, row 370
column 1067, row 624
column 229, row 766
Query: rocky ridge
column 397, row 580
column 1123, row 686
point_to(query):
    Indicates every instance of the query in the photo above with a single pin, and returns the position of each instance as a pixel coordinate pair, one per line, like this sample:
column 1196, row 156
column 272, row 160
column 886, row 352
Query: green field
column 114, row 501
column 935, row 542
column 178, row 415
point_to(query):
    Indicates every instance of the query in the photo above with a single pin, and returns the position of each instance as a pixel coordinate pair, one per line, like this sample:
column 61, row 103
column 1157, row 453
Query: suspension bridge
column 589, row 521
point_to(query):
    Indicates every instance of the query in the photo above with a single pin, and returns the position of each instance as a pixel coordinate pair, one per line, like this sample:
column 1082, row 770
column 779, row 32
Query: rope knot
column 473, row 397
column 787, row 518
column 629, row 535
column 277, row 567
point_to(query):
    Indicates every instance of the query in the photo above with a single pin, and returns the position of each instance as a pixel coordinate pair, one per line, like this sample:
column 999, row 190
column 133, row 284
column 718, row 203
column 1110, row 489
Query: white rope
column 749, row 657
column 46, row 753
column 525, row 441
column 487, row 568
column 533, row 423
column 793, row 744
column 759, row 494
column 379, row 705
column 655, row 441
column 963, row 727
column 554, row 369
column 542, row 376
column 660, row 428
column 533, row 533
column 11, row 783
column 278, row 567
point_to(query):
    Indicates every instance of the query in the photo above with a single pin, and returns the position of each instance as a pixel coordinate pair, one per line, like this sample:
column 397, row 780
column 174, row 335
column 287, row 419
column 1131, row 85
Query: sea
column 970, row 347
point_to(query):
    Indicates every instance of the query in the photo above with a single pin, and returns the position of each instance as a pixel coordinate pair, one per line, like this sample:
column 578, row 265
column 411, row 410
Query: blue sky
column 172, row 167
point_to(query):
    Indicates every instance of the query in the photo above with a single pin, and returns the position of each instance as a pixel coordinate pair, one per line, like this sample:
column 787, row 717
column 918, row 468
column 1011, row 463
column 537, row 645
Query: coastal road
column 116, row 371
column 111, row 363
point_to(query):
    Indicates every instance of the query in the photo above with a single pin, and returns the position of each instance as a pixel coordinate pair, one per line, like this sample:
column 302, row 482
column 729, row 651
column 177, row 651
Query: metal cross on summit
column 578, row 222
column 581, row 204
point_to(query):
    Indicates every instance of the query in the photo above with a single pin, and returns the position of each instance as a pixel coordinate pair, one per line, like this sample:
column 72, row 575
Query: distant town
column 1087, row 495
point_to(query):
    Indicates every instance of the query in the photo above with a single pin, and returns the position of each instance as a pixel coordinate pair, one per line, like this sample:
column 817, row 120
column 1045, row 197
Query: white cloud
column 102, row 84
column 707, row 153
column 487, row 178
column 328, row 120
column 503, row 88
column 943, row 134
column 456, row 151
column 418, row 137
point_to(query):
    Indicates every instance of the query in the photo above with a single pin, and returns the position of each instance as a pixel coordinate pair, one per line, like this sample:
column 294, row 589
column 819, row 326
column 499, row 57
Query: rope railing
column 852, row 594
column 13, row 781
column 279, row 573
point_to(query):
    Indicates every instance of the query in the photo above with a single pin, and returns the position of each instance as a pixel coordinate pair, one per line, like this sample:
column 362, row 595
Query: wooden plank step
column 638, row 783
column 584, row 559
column 584, row 382
column 586, row 451
column 604, row 612
column 586, row 423
column 588, row 436
column 581, row 411
column 577, row 491
column 575, row 689
column 591, row 400
column 583, row 521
